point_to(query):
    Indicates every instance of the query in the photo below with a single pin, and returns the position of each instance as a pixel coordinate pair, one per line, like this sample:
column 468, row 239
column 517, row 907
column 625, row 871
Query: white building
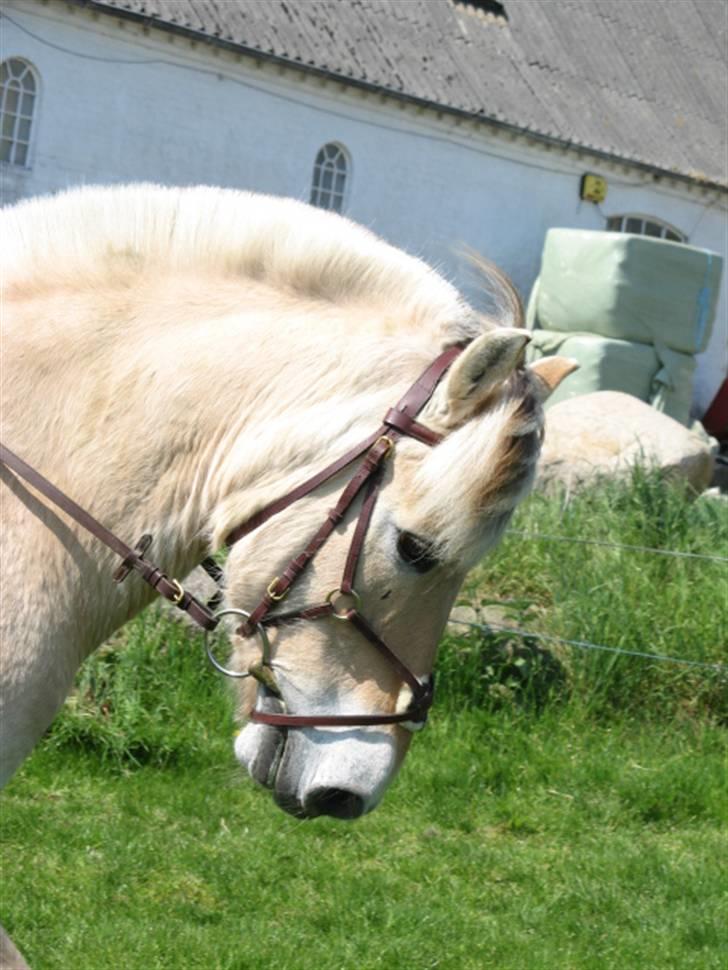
column 444, row 124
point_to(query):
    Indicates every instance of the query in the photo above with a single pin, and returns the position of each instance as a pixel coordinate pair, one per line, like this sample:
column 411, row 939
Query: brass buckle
column 276, row 597
column 388, row 441
column 179, row 594
column 345, row 614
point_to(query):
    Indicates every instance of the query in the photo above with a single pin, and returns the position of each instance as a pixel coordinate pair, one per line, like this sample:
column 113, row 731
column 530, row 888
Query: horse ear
column 550, row 372
column 484, row 364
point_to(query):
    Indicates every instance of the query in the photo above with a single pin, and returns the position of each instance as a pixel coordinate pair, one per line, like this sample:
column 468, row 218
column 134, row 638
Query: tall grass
column 148, row 697
column 605, row 595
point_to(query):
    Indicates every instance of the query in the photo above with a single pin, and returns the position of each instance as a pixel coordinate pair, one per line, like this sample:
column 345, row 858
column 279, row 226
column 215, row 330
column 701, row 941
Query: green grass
column 620, row 598
column 569, row 822
column 508, row 841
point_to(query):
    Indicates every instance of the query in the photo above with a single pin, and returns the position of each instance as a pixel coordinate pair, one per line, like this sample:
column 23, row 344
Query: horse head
column 438, row 511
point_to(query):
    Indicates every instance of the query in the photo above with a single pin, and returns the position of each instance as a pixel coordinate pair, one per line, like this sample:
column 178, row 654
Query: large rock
column 606, row 432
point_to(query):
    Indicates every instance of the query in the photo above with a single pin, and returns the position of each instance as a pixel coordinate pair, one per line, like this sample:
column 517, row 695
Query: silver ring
column 239, row 674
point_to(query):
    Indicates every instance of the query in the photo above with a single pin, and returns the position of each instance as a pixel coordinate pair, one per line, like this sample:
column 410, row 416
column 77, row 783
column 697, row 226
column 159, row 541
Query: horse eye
column 416, row 552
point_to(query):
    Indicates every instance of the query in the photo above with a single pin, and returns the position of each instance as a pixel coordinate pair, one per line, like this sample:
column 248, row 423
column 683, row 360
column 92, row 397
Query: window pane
column 8, row 126
column 329, row 178
column 4, row 73
column 29, row 82
column 634, row 225
column 26, row 105
column 672, row 235
column 24, row 130
column 21, row 153
column 652, row 229
column 11, row 98
column 614, row 223
column 5, row 146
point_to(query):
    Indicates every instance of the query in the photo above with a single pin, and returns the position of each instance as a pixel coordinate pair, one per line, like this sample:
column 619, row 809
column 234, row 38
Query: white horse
column 176, row 358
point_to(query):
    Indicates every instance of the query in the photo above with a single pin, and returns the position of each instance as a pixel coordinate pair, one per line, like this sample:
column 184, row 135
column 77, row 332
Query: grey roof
column 645, row 82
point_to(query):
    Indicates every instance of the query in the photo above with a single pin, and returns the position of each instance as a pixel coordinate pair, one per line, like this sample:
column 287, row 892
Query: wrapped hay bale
column 604, row 364
column 627, row 287
column 654, row 374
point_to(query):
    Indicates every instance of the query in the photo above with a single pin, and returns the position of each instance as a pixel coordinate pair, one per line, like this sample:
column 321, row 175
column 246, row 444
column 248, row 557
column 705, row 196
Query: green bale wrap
column 672, row 385
column 605, row 364
column 627, row 287
column 656, row 375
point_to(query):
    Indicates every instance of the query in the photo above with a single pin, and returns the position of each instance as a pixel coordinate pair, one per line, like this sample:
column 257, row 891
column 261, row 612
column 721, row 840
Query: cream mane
column 95, row 234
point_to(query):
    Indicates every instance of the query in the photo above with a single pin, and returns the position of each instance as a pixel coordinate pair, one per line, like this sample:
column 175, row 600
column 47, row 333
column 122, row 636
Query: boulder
column 604, row 433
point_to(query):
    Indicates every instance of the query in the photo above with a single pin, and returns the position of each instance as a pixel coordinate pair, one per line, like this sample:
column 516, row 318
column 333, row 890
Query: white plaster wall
column 184, row 113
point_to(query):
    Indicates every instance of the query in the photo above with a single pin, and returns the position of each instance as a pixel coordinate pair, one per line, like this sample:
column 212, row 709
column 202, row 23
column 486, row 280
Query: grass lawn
column 586, row 828
column 507, row 842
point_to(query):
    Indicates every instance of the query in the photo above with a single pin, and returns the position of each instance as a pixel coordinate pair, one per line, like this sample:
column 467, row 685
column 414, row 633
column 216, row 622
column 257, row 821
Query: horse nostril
column 334, row 801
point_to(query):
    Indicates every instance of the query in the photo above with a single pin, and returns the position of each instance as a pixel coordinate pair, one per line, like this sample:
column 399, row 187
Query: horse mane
column 100, row 234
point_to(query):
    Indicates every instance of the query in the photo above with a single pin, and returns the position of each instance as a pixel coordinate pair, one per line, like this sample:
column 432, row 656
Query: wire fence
column 491, row 627
column 617, row 545
column 587, row 645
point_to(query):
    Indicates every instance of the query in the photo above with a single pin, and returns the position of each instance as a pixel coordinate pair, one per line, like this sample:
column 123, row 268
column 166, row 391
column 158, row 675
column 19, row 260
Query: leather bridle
column 342, row 603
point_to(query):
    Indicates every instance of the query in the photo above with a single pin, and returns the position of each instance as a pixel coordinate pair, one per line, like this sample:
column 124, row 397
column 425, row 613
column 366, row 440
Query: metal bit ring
column 238, row 674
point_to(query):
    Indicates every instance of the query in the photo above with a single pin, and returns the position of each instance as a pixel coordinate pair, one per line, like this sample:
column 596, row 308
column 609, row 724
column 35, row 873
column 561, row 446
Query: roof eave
column 552, row 141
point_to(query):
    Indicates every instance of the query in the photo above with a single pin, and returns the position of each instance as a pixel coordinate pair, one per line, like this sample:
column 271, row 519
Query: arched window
column 18, row 90
column 329, row 178
column 644, row 226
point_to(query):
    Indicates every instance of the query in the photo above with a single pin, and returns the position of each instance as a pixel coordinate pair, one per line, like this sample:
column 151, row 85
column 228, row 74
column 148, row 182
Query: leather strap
column 407, row 425
column 328, row 720
column 357, row 542
column 279, row 588
column 305, row 488
column 400, row 417
column 134, row 559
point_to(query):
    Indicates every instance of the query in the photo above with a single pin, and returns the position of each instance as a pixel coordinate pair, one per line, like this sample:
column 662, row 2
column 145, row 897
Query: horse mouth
column 270, row 743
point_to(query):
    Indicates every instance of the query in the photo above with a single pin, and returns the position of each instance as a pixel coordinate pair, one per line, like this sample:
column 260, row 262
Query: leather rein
column 342, row 603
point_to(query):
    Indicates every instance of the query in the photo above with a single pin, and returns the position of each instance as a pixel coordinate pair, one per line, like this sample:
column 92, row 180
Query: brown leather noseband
column 399, row 421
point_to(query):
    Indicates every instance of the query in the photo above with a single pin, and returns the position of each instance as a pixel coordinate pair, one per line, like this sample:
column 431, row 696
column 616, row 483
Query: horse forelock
column 469, row 485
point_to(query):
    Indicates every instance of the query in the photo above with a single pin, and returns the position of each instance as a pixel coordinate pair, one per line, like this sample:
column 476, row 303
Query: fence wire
column 587, row 645
column 616, row 545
